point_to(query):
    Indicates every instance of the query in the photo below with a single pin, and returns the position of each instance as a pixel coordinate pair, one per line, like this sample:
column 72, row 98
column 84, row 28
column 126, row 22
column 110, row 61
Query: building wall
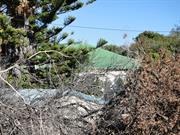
column 109, row 83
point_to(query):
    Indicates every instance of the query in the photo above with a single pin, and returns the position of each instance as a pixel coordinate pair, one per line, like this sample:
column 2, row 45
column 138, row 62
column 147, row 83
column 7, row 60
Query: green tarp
column 103, row 59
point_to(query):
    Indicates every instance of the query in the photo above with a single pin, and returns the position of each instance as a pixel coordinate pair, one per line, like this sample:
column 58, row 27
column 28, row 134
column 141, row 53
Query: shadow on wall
column 104, row 85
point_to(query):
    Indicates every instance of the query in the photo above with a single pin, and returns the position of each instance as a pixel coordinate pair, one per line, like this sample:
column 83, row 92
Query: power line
column 98, row 28
column 113, row 29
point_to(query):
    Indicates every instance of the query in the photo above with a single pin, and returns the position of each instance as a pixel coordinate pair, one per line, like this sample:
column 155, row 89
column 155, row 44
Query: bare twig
column 6, row 70
column 48, row 51
column 12, row 88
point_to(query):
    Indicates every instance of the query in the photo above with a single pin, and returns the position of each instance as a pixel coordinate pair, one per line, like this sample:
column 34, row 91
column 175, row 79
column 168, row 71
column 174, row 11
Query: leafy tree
column 149, row 35
column 101, row 42
column 151, row 42
column 116, row 49
column 175, row 32
column 70, row 41
column 175, row 35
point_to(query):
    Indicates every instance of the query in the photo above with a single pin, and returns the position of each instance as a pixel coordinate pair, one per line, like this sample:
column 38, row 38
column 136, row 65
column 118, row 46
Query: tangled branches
column 150, row 104
column 51, row 116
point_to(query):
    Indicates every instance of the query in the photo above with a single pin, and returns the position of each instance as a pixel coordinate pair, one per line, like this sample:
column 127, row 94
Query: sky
column 125, row 17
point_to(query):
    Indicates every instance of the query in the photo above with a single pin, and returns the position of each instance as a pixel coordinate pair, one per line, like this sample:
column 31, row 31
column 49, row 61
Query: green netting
column 103, row 59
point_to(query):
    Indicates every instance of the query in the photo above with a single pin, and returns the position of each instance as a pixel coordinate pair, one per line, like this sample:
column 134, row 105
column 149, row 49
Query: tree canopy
column 149, row 42
column 25, row 23
column 26, row 38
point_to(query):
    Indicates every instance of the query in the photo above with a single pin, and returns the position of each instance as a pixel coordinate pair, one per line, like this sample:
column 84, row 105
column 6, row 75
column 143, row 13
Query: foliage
column 11, row 39
column 175, row 32
column 28, row 20
column 24, row 31
column 150, row 35
column 14, row 36
column 151, row 42
column 150, row 104
column 101, row 42
column 116, row 49
column 49, row 70
column 70, row 41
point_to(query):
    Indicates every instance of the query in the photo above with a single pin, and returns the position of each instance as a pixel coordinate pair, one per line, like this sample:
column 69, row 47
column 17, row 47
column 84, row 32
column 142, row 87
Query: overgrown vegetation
column 150, row 43
column 117, row 49
column 150, row 104
column 32, row 56
column 26, row 40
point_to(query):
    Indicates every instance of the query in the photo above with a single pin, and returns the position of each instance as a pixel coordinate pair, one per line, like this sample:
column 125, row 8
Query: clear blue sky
column 154, row 15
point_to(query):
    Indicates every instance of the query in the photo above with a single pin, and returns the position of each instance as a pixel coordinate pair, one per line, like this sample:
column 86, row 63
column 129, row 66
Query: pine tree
column 24, row 24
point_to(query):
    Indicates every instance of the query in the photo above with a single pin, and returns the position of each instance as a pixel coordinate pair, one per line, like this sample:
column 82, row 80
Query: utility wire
column 112, row 29
column 107, row 29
